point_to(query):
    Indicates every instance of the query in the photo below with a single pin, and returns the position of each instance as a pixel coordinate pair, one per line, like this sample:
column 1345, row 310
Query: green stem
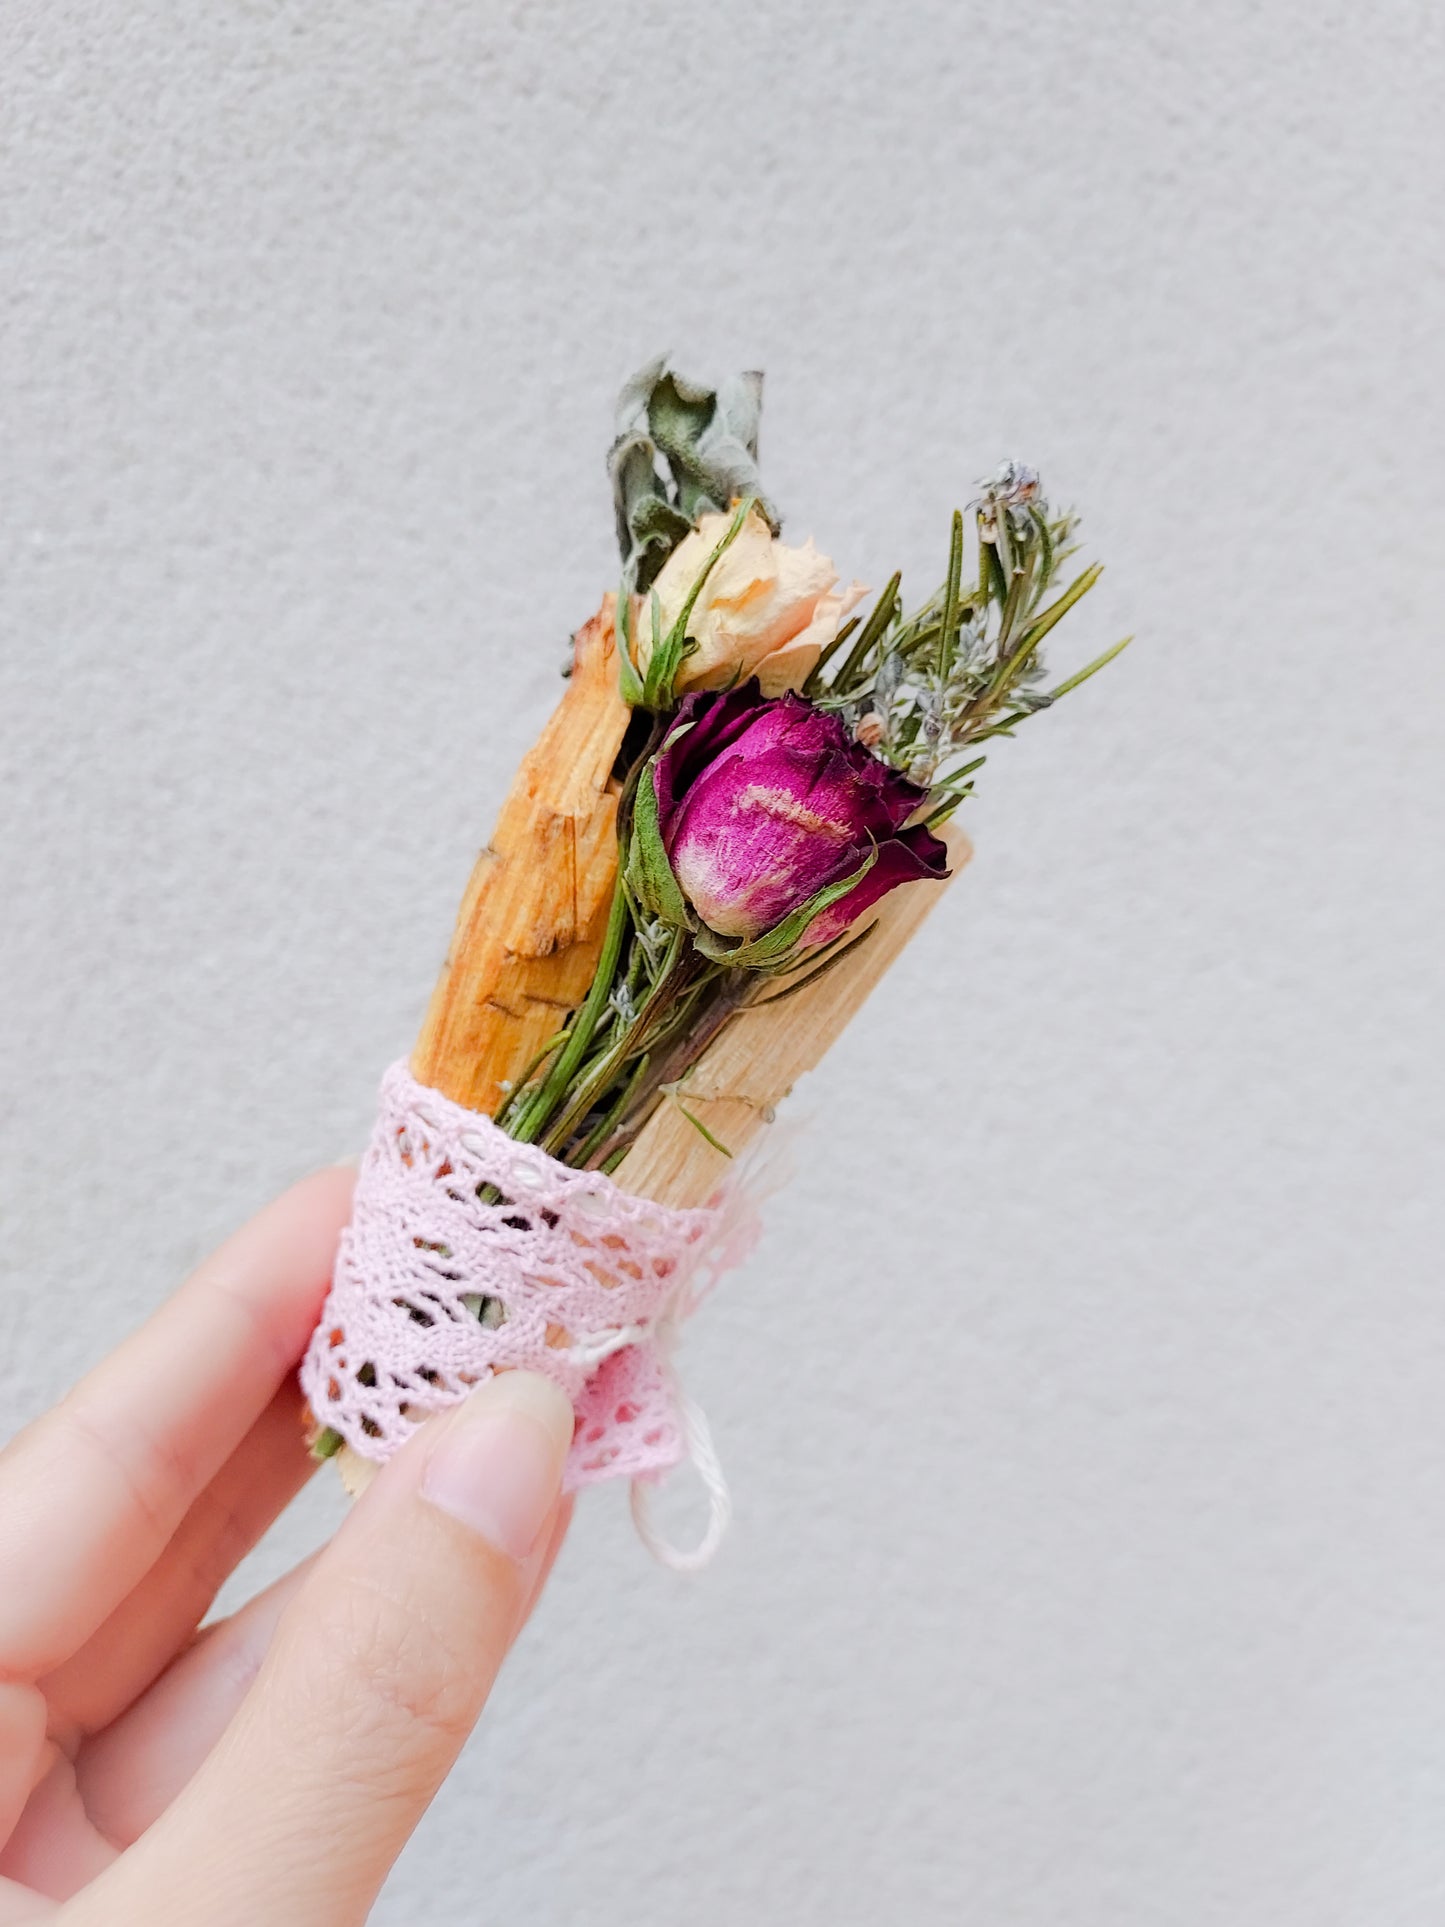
column 726, row 995
column 634, row 1035
column 872, row 629
column 827, row 653
column 538, row 1109
column 1089, row 669
column 609, row 1120
column 948, row 625
column 1041, row 625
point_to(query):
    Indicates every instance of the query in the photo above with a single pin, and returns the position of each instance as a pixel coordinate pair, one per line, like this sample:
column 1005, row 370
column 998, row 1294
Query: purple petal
column 763, row 801
column 756, row 836
column 717, row 721
column 903, row 859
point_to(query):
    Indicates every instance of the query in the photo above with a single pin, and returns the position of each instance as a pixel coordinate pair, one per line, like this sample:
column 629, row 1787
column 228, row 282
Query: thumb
column 373, row 1681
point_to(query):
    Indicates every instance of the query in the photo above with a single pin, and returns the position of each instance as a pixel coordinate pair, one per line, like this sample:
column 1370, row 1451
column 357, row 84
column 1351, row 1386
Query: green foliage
column 925, row 689
column 681, row 450
column 649, row 873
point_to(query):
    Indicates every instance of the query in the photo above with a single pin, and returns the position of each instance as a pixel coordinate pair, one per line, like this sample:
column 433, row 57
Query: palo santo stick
column 756, row 1061
column 530, row 928
column 749, row 1069
column 531, row 924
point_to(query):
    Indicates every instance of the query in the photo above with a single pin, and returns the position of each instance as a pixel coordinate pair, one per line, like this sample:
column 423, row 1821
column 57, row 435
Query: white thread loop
column 590, row 1350
column 702, row 1456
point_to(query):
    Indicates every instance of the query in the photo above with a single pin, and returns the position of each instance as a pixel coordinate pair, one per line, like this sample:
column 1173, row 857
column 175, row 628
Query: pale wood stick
column 494, row 1005
column 749, row 1070
column 530, row 927
column 739, row 1079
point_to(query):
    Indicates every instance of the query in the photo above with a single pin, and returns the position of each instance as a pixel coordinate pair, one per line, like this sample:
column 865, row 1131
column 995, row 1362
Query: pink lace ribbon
column 573, row 1277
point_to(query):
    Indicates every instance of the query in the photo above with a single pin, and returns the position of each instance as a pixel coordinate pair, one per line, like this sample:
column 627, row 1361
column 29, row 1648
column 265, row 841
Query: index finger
column 91, row 1493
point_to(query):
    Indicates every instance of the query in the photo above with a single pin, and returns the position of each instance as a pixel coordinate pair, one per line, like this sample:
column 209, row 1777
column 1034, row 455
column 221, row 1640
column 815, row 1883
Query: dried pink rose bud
column 764, row 801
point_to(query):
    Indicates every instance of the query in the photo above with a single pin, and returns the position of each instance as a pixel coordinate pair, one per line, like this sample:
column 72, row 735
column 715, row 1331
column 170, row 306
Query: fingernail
column 497, row 1464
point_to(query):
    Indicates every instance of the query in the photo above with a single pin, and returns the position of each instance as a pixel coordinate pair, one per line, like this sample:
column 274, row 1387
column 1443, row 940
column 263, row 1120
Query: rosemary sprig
column 923, row 690
column 535, row 1109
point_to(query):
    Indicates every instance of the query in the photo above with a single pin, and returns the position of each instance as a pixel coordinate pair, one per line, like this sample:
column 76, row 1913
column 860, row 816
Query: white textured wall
column 1084, row 1407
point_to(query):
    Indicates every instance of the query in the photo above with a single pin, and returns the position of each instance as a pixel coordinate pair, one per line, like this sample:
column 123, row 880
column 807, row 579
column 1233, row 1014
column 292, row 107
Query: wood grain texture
column 531, row 923
column 749, row 1070
column 736, row 1083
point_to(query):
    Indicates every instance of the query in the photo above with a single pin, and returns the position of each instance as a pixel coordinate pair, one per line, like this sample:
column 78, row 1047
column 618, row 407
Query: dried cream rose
column 766, row 610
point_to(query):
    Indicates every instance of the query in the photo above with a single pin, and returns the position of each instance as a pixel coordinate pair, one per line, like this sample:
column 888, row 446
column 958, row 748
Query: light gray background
column 1084, row 1406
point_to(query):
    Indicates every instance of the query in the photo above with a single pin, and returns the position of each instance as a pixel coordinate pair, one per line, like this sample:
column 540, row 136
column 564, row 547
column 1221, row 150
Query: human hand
column 270, row 1768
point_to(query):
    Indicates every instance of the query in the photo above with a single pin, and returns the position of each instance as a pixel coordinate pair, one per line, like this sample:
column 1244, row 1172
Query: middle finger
column 151, row 1624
